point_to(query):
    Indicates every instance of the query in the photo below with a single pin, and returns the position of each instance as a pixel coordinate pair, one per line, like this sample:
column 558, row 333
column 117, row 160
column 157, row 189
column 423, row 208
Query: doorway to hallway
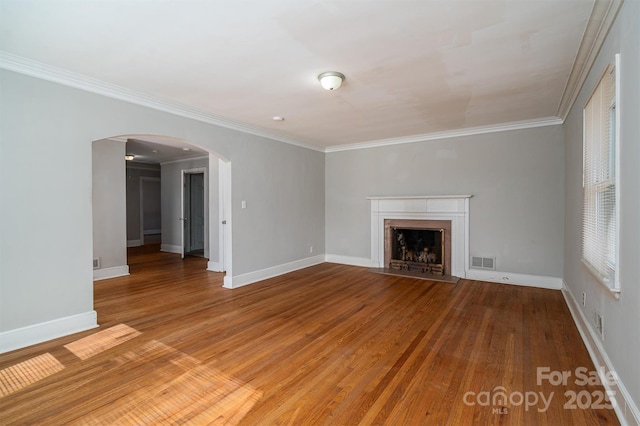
column 193, row 213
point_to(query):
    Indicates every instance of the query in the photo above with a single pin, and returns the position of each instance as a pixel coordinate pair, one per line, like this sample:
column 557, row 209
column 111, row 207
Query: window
column 600, row 211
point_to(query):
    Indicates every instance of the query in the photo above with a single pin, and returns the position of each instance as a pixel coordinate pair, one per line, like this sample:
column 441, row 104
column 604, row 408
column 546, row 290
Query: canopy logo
column 500, row 400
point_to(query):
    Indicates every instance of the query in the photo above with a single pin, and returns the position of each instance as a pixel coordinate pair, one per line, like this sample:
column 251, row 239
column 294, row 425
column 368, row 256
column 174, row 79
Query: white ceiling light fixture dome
column 331, row 80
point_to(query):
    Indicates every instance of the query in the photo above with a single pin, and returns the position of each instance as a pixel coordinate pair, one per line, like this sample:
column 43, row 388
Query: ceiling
column 412, row 68
column 155, row 149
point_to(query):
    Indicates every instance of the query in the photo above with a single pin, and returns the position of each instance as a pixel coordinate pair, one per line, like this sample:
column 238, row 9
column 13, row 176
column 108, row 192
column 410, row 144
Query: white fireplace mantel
column 429, row 207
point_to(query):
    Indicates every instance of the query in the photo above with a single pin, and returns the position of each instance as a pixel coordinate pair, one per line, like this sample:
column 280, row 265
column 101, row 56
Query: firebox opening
column 417, row 250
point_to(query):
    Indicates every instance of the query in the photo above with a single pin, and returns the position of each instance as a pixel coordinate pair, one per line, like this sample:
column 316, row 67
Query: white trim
column 133, row 243
column 600, row 22
column 516, row 125
column 618, row 129
column 422, row 197
column 113, row 272
column 214, row 266
column 225, row 215
column 43, row 71
column 626, row 409
column 349, row 260
column 38, row 333
column 526, row 280
column 170, row 248
column 274, row 271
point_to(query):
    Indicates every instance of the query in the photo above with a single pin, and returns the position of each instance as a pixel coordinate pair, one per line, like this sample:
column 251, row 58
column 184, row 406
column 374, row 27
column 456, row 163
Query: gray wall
column 134, row 172
column 109, row 204
column 515, row 177
column 280, row 179
column 151, row 217
column 621, row 317
column 50, row 200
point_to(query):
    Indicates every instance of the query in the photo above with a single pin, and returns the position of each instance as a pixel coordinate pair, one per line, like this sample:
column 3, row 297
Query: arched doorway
column 110, row 199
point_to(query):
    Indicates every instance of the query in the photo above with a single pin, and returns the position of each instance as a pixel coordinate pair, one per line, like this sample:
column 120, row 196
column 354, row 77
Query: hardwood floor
column 327, row 345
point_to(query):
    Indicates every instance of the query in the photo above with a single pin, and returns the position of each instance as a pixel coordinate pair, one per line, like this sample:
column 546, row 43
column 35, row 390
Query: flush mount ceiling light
column 331, row 80
column 129, row 157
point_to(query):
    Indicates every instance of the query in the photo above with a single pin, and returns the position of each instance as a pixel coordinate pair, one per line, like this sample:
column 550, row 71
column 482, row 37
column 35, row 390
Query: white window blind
column 599, row 231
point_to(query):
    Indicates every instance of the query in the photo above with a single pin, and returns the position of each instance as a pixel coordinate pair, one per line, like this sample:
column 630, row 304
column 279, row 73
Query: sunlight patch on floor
column 99, row 342
column 189, row 392
column 18, row 376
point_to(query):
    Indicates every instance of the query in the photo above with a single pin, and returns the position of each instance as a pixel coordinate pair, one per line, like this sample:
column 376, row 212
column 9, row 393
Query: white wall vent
column 96, row 263
column 483, row 262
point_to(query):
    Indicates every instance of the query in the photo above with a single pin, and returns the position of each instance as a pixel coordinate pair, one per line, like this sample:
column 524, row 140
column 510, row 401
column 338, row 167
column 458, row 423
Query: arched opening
column 118, row 201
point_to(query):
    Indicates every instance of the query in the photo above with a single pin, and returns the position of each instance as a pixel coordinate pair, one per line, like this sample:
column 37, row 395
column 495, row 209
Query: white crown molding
column 602, row 17
column 470, row 131
column 15, row 63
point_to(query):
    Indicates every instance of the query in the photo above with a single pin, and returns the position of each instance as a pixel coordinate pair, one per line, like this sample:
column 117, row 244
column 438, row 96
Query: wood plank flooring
column 327, row 345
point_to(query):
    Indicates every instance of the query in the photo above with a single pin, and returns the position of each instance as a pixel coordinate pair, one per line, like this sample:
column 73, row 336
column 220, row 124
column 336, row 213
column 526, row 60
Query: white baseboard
column 274, row 271
column 214, row 267
column 38, row 333
column 626, row 409
column 133, row 243
column 113, row 272
column 349, row 260
column 169, row 248
column 540, row 281
column 152, row 231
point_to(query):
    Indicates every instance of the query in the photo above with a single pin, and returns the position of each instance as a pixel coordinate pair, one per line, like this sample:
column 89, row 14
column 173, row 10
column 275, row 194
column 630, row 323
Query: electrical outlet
column 310, row 249
column 584, row 299
column 600, row 325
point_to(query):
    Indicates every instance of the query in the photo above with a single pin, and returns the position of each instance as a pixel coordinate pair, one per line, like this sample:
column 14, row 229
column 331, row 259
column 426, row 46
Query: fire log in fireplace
column 422, row 246
column 417, row 249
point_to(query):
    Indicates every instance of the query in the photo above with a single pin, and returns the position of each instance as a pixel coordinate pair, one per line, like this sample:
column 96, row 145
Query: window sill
column 614, row 291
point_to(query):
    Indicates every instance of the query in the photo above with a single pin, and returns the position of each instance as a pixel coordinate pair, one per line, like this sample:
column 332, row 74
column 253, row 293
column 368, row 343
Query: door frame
column 205, row 172
column 225, row 229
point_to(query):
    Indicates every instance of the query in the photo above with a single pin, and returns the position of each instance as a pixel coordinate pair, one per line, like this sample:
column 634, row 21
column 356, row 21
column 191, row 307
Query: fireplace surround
column 448, row 212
